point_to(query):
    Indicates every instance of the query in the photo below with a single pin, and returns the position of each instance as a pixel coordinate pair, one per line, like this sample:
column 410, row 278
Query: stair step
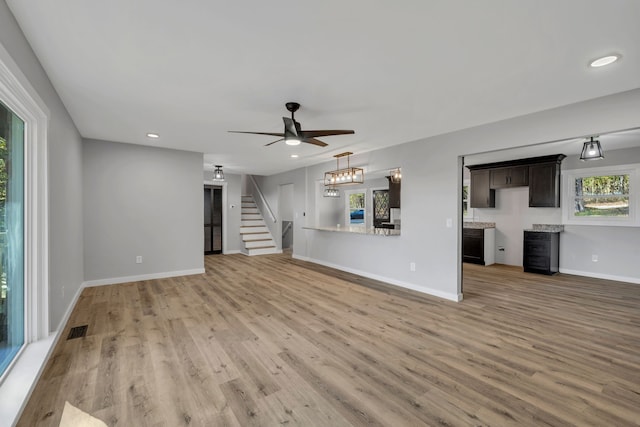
column 262, row 251
column 249, row 211
column 248, row 237
column 262, row 243
column 250, row 217
column 252, row 222
column 253, row 230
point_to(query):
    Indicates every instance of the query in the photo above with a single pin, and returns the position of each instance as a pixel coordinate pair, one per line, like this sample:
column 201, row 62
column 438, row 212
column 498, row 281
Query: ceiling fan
column 293, row 133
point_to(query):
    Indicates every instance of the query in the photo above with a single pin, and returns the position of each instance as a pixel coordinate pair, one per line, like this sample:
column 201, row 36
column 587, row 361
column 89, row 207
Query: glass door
column 11, row 236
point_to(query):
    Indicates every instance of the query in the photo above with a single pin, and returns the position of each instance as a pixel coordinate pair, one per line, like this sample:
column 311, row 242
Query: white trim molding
column 390, row 281
column 138, row 278
column 627, row 279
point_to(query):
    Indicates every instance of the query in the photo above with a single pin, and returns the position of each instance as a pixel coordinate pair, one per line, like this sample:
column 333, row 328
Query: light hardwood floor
column 271, row 341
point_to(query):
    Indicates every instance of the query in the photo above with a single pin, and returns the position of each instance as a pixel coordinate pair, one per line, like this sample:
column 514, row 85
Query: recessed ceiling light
column 153, row 135
column 294, row 156
column 605, row 60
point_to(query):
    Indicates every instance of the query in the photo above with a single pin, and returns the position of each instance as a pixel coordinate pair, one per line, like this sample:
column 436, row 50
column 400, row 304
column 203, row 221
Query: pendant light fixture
column 331, row 192
column 591, row 150
column 218, row 175
column 348, row 175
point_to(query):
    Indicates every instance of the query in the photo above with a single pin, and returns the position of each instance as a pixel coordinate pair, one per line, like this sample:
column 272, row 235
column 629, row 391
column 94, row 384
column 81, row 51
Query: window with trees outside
column 601, row 196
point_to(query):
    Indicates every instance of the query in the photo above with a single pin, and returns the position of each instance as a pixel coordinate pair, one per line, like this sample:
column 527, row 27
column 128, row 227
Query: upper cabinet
column 394, row 193
column 482, row 195
column 541, row 174
column 544, row 184
column 516, row 176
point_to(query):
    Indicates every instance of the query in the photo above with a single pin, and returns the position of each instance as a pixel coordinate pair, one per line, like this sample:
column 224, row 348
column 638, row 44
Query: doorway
column 212, row 219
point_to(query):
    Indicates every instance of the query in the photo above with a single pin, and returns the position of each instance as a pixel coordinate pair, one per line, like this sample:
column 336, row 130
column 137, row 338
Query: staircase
column 255, row 235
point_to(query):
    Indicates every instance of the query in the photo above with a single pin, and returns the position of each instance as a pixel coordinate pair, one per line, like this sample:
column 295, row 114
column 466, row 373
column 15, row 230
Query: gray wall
column 232, row 241
column 65, row 175
column 141, row 200
column 431, row 185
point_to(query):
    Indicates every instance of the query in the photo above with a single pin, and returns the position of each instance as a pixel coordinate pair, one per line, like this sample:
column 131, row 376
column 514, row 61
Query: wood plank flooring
column 271, row 341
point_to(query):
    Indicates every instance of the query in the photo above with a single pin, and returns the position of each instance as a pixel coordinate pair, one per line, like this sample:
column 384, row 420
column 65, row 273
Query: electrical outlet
column 412, row 266
column 594, row 258
column 139, row 259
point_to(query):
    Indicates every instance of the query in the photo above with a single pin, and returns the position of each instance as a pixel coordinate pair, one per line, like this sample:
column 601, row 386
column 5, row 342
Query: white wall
column 144, row 201
column 431, row 186
column 512, row 215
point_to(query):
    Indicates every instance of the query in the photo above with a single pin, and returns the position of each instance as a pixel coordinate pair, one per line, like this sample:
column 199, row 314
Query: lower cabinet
column 478, row 245
column 541, row 252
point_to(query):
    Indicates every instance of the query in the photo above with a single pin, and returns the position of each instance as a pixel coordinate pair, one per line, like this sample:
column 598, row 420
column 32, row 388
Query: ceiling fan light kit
column 293, row 133
column 348, row 175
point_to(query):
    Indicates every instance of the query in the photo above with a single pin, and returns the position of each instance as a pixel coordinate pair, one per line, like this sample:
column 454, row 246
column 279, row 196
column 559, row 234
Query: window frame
column 18, row 95
column 569, row 195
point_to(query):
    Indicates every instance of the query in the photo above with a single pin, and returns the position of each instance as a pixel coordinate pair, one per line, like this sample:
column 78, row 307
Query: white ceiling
column 392, row 71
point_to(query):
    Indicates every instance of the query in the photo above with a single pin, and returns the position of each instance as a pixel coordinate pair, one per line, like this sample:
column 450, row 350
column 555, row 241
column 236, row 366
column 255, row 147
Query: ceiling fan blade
column 258, row 133
column 315, row 142
column 277, row 140
column 314, row 133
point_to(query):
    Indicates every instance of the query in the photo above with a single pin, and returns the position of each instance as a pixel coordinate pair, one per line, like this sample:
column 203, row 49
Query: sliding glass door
column 12, row 313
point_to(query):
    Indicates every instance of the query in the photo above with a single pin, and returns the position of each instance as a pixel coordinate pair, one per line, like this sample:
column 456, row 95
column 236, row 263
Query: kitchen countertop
column 546, row 228
column 482, row 225
column 358, row 230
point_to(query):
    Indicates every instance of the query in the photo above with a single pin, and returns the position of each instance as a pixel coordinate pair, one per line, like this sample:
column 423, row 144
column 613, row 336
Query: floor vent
column 78, row 332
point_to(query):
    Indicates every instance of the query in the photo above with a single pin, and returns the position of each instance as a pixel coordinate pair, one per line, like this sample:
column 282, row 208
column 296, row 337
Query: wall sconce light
column 395, row 175
column 591, row 150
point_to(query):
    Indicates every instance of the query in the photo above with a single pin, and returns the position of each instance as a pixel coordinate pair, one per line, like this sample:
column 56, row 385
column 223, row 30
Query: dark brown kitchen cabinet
column 540, row 174
column 394, row 194
column 544, row 185
column 541, row 252
column 473, row 245
column 517, row 176
column 482, row 195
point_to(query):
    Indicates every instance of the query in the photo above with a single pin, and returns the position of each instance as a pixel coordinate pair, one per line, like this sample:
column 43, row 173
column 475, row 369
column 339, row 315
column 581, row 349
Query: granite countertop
column 546, row 228
column 358, row 230
column 482, row 225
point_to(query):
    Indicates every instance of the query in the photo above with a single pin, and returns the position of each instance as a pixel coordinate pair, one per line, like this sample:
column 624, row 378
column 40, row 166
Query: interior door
column 212, row 219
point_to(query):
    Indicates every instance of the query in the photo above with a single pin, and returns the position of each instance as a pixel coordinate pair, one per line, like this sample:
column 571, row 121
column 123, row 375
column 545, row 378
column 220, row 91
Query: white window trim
column 17, row 94
column 568, row 184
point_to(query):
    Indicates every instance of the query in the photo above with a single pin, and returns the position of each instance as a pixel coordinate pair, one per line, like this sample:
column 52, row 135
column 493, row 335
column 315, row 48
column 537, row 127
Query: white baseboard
column 422, row 289
column 127, row 279
column 235, row 251
column 627, row 279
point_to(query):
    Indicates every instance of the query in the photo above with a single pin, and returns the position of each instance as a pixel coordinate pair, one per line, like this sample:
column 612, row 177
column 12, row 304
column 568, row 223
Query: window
column 11, row 236
column 467, row 212
column 356, row 208
column 601, row 196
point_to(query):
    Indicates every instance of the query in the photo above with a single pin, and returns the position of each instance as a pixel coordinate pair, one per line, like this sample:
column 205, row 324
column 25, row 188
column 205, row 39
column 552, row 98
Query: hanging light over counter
column 331, row 192
column 591, row 150
column 348, row 175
